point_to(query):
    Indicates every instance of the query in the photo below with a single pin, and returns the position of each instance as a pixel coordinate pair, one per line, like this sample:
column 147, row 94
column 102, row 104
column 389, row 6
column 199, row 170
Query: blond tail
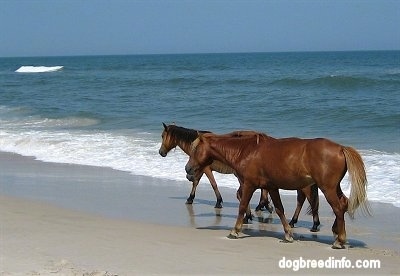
column 358, row 179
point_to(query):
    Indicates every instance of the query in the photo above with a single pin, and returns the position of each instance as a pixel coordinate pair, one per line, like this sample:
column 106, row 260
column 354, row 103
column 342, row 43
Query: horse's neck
column 234, row 151
column 229, row 155
column 184, row 137
column 185, row 146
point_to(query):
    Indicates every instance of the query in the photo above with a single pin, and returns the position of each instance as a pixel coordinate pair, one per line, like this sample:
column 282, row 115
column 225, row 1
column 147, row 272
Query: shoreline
column 75, row 219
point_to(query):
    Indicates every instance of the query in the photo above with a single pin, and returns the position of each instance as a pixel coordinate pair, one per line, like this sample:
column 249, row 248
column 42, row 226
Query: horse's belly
column 293, row 183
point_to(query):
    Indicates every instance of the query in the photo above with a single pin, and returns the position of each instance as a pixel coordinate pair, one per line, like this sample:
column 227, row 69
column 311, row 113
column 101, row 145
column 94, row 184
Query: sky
column 107, row 27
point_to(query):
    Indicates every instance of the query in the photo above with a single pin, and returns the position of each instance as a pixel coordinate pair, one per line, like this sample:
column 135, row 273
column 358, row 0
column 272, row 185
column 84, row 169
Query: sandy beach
column 60, row 219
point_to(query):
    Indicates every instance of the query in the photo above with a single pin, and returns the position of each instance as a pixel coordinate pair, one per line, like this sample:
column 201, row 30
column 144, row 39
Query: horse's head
column 199, row 157
column 167, row 143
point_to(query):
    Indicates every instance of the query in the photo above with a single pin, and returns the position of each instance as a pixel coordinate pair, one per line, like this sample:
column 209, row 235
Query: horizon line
column 201, row 53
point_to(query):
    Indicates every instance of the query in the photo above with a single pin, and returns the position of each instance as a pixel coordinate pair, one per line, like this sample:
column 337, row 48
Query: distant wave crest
column 38, row 69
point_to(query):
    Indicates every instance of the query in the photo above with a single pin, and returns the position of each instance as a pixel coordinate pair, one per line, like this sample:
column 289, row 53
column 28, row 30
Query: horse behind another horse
column 173, row 136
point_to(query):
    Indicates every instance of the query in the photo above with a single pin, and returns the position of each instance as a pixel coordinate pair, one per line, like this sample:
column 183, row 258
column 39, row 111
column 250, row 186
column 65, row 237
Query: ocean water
column 108, row 110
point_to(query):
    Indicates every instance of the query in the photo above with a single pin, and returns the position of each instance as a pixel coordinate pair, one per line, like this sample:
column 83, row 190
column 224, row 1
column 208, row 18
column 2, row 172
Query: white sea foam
column 33, row 122
column 38, row 69
column 137, row 153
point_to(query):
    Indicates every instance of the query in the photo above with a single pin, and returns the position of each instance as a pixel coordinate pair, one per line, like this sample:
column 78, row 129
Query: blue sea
column 108, row 110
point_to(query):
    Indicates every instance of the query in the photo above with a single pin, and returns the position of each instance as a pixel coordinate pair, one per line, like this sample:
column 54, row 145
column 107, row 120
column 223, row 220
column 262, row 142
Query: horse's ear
column 194, row 144
column 199, row 135
column 165, row 126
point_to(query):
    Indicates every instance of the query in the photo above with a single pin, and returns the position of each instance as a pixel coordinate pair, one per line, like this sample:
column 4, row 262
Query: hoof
column 261, row 207
column 287, row 241
column 247, row 218
column 337, row 245
column 218, row 205
column 288, row 238
column 292, row 223
column 232, row 236
column 190, row 199
column 314, row 229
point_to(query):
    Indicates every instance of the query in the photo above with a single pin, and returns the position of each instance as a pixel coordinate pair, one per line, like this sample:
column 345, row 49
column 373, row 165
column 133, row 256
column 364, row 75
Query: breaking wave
column 38, row 69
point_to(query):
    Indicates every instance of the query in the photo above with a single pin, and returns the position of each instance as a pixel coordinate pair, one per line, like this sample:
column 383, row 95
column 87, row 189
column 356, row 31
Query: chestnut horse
column 173, row 136
column 261, row 161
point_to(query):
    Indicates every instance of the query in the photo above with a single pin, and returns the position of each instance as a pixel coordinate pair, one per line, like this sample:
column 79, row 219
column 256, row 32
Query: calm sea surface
column 108, row 110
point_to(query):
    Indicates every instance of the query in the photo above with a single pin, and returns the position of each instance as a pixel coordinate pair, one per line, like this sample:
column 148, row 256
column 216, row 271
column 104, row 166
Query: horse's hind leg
column 301, row 197
column 343, row 200
column 213, row 183
column 338, row 202
column 311, row 193
column 264, row 202
column 276, row 199
column 313, row 199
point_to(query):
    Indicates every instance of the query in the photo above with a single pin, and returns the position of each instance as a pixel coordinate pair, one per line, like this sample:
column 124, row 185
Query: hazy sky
column 89, row 27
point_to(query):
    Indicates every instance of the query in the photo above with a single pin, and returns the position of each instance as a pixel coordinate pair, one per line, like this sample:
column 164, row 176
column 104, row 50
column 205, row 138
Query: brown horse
column 309, row 192
column 173, row 136
column 261, row 161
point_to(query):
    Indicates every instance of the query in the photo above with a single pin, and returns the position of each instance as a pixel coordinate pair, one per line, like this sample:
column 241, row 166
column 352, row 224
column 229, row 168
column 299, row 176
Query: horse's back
column 319, row 147
column 302, row 161
column 324, row 149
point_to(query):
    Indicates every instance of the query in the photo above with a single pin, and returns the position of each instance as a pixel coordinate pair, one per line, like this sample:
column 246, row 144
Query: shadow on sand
column 221, row 220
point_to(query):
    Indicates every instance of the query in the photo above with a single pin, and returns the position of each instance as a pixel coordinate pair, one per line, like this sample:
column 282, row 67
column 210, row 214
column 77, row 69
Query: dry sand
column 60, row 219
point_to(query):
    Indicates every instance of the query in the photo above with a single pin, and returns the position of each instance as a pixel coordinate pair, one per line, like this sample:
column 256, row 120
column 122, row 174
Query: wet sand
column 71, row 220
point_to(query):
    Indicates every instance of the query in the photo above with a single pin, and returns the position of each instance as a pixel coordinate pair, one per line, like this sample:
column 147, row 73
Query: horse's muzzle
column 190, row 177
column 162, row 152
column 189, row 171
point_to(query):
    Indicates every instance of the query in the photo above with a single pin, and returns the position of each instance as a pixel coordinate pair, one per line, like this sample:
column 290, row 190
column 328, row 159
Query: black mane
column 184, row 134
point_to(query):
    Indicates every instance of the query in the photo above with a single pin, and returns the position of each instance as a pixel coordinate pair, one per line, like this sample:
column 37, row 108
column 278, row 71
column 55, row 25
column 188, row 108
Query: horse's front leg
column 248, row 215
column 195, row 181
column 246, row 194
column 213, row 183
column 192, row 194
column 276, row 199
